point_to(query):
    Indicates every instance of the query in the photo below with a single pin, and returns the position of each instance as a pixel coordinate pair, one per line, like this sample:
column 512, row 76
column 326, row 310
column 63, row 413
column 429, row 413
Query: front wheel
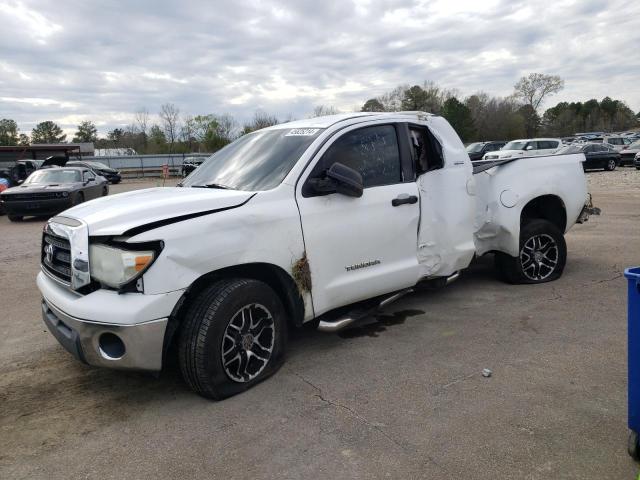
column 611, row 165
column 15, row 218
column 542, row 257
column 233, row 336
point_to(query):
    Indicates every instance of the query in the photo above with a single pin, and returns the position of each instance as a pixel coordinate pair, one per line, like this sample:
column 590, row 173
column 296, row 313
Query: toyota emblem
column 48, row 253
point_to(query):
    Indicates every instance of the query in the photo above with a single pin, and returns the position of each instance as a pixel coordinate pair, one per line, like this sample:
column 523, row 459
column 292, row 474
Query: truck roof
column 329, row 120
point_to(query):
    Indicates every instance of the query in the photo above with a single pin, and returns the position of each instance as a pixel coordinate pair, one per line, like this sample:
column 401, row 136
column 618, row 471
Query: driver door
column 361, row 247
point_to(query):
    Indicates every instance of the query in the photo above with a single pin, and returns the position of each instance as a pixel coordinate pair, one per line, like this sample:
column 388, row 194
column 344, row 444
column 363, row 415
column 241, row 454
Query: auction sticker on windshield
column 302, row 132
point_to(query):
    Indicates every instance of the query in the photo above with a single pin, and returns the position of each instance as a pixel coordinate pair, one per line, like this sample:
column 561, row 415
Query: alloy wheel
column 248, row 342
column 539, row 257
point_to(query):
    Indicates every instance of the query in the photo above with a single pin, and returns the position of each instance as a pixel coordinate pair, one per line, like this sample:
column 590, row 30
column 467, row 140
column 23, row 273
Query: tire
column 633, row 446
column 542, row 258
column 105, row 191
column 610, row 165
column 15, row 218
column 79, row 199
column 214, row 339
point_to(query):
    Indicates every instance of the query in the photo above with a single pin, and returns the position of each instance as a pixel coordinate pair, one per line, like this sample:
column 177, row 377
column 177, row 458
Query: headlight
column 116, row 267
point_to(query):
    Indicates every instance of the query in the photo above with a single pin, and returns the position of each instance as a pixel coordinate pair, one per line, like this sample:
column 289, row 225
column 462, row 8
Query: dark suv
column 111, row 174
column 477, row 150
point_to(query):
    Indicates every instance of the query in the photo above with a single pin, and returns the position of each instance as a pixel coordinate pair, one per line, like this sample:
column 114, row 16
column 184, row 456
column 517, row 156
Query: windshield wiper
column 213, row 185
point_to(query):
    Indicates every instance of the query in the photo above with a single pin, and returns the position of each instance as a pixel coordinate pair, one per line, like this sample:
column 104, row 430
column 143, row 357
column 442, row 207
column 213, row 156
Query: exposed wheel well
column 272, row 275
column 548, row 207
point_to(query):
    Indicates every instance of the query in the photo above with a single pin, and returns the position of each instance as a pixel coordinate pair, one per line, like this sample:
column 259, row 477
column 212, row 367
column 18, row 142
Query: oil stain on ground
column 383, row 320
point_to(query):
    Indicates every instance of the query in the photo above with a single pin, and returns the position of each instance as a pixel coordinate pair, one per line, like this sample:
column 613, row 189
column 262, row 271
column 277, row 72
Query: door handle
column 403, row 198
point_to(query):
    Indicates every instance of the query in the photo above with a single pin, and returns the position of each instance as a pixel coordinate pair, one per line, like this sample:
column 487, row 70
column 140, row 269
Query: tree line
column 481, row 116
column 476, row 117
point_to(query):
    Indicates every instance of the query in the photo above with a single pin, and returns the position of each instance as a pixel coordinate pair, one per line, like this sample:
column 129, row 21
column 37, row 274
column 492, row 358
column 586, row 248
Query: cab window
column 371, row 151
column 426, row 150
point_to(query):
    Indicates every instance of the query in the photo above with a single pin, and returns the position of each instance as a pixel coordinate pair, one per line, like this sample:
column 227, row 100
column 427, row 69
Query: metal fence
column 132, row 166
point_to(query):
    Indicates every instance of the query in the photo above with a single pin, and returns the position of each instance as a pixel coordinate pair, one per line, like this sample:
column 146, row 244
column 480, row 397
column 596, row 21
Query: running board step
column 335, row 325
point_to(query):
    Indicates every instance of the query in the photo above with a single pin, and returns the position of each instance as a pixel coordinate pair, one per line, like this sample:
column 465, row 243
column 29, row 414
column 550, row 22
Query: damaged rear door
column 360, row 247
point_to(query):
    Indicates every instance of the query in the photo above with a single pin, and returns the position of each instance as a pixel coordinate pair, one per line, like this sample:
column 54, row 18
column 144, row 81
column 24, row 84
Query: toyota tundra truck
column 316, row 222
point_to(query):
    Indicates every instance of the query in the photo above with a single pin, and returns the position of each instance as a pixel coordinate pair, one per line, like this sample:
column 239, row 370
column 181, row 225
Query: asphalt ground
column 400, row 396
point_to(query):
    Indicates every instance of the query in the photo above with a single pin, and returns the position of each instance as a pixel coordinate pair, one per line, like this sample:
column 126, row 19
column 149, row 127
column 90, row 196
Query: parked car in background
column 618, row 142
column 111, row 174
column 636, row 161
column 52, row 190
column 190, row 164
column 526, row 148
column 30, row 165
column 628, row 153
column 597, row 155
column 477, row 150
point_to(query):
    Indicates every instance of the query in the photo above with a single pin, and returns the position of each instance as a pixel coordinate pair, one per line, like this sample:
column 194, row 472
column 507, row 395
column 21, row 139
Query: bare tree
column 141, row 120
column 260, row 120
column 535, row 87
column 170, row 116
column 322, row 110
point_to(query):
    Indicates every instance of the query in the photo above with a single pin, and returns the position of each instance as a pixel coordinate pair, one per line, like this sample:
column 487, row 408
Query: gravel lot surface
column 401, row 396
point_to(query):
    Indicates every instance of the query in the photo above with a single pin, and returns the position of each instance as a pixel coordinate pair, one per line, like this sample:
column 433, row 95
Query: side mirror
column 347, row 180
column 529, row 147
column 90, row 180
column 338, row 179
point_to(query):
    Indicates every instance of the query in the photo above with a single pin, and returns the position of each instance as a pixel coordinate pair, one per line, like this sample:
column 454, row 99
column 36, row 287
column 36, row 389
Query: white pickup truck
column 315, row 221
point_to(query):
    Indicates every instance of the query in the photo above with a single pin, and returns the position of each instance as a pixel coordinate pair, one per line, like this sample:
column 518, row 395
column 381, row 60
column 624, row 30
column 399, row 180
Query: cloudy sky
column 74, row 60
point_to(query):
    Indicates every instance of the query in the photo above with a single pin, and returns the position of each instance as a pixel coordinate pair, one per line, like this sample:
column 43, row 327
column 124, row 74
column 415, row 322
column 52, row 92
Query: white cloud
column 285, row 56
column 30, row 22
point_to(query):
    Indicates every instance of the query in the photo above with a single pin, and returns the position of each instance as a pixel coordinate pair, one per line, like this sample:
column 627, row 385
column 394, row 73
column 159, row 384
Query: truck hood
column 140, row 210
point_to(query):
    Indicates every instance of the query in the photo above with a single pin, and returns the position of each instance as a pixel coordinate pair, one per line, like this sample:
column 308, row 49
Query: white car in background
column 526, row 148
column 618, row 142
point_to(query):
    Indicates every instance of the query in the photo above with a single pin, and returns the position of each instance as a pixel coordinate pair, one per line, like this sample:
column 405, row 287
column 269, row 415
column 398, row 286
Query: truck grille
column 56, row 257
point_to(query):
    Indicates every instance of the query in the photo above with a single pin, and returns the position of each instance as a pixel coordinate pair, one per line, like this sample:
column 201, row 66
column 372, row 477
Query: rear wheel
column 15, row 218
column 542, row 257
column 232, row 337
column 105, row 191
column 611, row 165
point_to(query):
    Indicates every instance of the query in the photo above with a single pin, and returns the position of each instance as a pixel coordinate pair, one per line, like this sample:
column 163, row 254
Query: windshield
column 517, row 145
column 97, row 165
column 475, row 147
column 54, row 176
column 256, row 161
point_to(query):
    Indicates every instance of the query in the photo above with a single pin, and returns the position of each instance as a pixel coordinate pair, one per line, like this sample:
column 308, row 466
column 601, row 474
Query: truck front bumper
column 108, row 329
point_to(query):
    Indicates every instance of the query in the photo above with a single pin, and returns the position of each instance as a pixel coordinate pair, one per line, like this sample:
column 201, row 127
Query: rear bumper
column 627, row 159
column 588, row 210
